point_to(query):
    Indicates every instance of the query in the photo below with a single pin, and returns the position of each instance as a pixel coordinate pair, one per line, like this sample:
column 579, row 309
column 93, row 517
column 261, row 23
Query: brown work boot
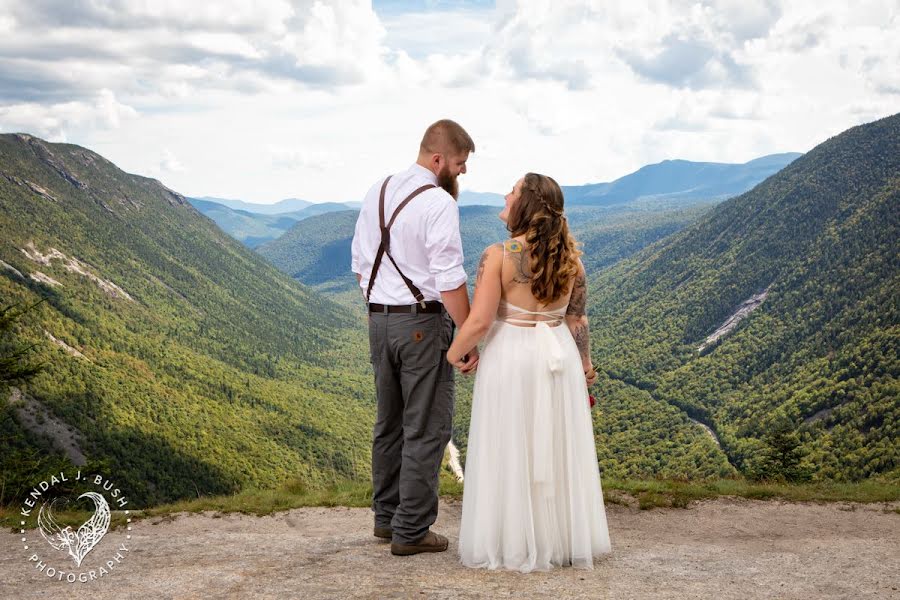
column 383, row 533
column 430, row 542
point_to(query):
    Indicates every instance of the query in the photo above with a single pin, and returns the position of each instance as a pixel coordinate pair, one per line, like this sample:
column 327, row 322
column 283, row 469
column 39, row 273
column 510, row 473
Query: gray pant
column 415, row 392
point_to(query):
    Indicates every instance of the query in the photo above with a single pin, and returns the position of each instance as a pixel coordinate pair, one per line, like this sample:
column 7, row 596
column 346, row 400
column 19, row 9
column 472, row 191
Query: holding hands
column 467, row 363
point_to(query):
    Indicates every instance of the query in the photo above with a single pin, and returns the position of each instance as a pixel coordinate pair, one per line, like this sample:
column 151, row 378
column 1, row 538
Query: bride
column 532, row 497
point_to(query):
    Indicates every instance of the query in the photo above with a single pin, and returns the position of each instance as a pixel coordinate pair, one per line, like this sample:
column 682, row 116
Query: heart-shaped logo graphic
column 76, row 543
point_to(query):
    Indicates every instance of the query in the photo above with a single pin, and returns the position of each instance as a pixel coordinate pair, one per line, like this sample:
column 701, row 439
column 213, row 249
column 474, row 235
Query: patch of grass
column 651, row 493
column 259, row 502
column 10, row 517
column 645, row 493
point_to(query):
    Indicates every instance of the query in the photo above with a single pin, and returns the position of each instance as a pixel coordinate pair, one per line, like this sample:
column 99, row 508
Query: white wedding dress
column 532, row 497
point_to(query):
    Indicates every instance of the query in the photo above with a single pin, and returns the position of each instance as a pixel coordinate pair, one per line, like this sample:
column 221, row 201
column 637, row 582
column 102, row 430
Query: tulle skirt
column 532, row 497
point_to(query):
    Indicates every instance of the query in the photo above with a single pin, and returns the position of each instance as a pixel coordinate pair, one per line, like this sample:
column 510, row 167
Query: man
column 416, row 296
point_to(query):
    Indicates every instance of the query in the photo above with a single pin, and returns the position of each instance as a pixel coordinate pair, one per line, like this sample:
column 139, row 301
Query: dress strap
column 529, row 322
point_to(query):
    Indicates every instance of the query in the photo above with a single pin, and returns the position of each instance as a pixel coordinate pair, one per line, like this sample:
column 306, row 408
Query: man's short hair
column 446, row 137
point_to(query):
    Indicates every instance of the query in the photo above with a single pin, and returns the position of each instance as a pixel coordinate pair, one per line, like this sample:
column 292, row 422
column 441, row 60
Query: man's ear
column 437, row 160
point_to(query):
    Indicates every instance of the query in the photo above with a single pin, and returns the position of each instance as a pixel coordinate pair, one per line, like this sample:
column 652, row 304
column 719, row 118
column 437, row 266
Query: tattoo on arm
column 578, row 301
column 579, row 324
column 582, row 336
column 483, row 262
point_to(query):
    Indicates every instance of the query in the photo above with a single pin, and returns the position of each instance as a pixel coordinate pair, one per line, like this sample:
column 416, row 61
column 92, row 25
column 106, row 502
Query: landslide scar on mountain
column 30, row 185
column 36, row 418
column 746, row 307
column 73, row 265
column 69, row 349
column 11, row 269
column 42, row 278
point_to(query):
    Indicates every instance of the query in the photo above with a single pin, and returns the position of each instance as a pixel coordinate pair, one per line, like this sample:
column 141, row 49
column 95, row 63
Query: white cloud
column 226, row 44
column 53, row 121
column 317, row 99
column 303, row 158
column 7, row 24
column 170, row 163
column 744, row 20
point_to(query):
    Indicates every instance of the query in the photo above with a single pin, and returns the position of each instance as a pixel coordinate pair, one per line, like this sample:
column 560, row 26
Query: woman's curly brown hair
column 538, row 214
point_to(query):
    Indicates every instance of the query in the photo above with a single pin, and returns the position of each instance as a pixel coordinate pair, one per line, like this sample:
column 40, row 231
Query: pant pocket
column 445, row 337
column 376, row 339
column 420, row 346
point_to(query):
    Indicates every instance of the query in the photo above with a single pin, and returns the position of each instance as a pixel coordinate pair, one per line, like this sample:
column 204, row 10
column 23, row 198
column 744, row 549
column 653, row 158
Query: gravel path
column 724, row 548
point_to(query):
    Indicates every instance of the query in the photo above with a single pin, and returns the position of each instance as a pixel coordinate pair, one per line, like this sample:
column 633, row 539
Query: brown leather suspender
column 385, row 246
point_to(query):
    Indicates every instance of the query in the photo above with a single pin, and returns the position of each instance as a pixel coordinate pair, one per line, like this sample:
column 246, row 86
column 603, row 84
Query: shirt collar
column 423, row 172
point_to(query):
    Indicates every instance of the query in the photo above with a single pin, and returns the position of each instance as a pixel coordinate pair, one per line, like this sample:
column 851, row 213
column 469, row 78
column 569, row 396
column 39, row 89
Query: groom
column 412, row 220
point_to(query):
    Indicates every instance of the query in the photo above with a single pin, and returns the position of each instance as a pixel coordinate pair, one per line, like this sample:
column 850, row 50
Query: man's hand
column 469, row 362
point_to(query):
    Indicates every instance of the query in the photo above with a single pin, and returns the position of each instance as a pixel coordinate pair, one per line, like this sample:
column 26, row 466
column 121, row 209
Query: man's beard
column 448, row 184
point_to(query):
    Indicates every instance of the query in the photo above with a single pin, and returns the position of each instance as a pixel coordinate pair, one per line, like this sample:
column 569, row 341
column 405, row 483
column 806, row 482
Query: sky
column 276, row 99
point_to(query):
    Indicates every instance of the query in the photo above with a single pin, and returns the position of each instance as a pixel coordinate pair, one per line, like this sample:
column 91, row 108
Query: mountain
column 627, row 214
column 178, row 362
column 249, row 228
column 774, row 320
column 680, row 180
column 321, row 208
column 282, row 206
column 253, row 228
column 316, row 251
column 670, row 180
column 467, row 198
column 609, row 234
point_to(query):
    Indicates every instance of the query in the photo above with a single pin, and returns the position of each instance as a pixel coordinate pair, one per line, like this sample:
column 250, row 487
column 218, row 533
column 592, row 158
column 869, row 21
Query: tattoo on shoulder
column 578, row 301
column 513, row 245
column 523, row 272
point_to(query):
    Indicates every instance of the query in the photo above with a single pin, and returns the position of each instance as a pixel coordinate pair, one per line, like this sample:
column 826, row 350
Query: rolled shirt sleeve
column 443, row 245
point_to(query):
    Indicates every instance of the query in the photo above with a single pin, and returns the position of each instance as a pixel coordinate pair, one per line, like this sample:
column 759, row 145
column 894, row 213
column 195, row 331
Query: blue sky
column 302, row 98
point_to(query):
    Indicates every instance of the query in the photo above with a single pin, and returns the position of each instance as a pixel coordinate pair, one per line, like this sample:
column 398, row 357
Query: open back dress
column 532, row 497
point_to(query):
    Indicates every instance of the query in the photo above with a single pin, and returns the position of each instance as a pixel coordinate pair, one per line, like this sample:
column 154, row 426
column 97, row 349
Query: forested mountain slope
column 179, row 361
column 775, row 319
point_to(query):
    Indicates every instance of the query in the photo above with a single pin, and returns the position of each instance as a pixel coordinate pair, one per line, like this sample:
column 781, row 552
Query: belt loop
column 415, row 308
column 384, row 309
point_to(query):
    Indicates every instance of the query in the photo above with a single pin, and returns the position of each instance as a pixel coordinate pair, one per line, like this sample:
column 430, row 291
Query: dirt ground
column 724, row 548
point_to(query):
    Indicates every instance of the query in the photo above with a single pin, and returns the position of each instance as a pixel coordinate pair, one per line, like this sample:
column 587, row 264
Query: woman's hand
column 466, row 363
column 590, row 376
column 457, row 362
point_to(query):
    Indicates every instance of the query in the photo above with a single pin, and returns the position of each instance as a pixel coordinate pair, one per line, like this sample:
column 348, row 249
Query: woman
column 532, row 496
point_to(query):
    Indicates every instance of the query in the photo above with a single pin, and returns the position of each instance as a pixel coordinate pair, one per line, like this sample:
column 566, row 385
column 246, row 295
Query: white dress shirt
column 425, row 240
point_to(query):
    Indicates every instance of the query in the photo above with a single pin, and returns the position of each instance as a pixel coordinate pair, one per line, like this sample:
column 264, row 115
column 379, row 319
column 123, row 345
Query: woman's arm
column 576, row 319
column 484, row 305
